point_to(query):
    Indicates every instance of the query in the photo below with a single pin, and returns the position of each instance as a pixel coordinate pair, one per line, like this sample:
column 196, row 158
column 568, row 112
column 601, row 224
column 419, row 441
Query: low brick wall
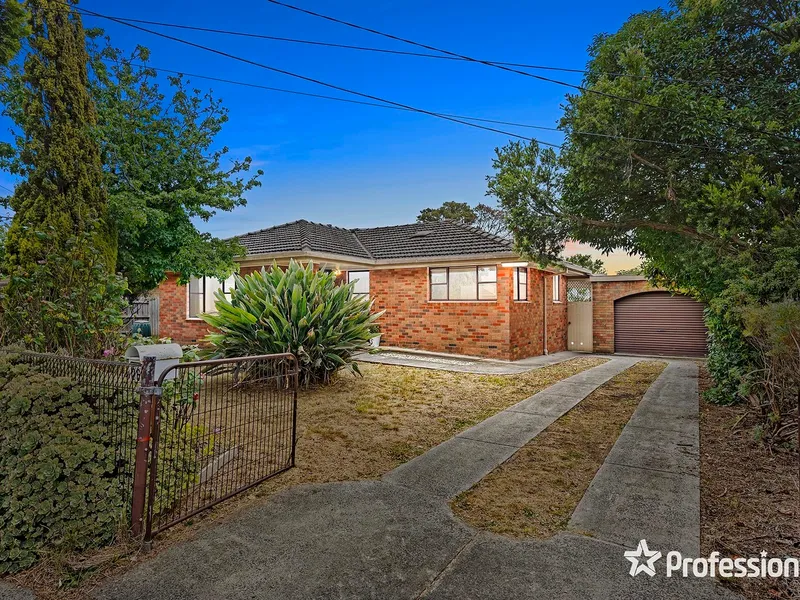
column 604, row 293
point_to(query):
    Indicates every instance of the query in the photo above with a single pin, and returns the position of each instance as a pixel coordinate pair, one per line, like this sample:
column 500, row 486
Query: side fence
column 189, row 437
column 140, row 313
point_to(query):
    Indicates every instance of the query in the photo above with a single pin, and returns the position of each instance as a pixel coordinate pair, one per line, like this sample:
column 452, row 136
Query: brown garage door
column 659, row 323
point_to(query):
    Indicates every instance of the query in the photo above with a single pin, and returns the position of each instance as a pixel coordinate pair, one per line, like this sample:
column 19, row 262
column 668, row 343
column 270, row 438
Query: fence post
column 143, row 435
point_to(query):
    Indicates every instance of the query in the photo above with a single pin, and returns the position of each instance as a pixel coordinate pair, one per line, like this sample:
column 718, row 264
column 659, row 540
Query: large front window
column 201, row 294
column 463, row 283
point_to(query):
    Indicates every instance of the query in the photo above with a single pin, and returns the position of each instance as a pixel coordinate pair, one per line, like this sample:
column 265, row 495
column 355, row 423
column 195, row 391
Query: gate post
column 143, row 435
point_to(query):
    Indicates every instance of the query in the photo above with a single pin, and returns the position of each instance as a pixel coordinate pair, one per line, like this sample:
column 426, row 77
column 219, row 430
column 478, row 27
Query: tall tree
column 697, row 165
column 63, row 190
column 60, row 249
column 13, row 27
column 161, row 165
column 164, row 171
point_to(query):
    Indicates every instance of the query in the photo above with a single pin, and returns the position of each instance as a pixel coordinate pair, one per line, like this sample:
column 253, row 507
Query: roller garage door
column 659, row 323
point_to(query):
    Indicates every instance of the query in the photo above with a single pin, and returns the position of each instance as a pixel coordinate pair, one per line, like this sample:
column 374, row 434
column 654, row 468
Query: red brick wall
column 502, row 329
column 412, row 321
column 172, row 314
column 604, row 293
column 526, row 320
column 556, row 317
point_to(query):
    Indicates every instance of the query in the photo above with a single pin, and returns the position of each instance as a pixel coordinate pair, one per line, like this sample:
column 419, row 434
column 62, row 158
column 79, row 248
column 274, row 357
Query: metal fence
column 201, row 433
column 222, row 427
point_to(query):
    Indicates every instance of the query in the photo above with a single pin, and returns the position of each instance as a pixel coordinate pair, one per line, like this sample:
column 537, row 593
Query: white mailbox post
column 166, row 356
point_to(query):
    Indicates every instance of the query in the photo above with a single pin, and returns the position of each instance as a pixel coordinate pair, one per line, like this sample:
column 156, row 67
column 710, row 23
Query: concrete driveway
column 397, row 538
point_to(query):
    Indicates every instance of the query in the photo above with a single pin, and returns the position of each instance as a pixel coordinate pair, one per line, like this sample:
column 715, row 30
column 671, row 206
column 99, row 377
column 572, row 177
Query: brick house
column 445, row 287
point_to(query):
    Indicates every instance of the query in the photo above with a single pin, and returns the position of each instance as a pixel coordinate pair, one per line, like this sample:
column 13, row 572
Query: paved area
column 383, row 540
column 12, row 592
column 463, row 364
column 649, row 485
column 461, row 462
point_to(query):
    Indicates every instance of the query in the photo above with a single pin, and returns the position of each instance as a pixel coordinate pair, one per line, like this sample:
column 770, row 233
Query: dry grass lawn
column 355, row 428
column 535, row 492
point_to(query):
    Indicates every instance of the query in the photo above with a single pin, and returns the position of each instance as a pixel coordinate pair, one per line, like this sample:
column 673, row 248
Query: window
column 521, row 284
column 556, row 288
column 464, row 283
column 201, row 294
column 361, row 278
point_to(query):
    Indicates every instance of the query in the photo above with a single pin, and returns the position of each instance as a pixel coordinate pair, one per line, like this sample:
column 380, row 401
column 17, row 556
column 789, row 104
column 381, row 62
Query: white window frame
column 351, row 279
column 204, row 294
column 557, row 289
column 520, row 285
column 446, row 284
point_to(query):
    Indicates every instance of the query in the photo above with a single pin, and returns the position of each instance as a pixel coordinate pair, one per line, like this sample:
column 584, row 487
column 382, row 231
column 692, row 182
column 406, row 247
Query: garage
column 660, row 324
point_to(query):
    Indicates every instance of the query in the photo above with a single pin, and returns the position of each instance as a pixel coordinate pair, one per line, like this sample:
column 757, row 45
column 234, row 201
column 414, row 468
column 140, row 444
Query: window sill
column 462, row 301
column 557, row 302
column 522, row 301
column 194, row 319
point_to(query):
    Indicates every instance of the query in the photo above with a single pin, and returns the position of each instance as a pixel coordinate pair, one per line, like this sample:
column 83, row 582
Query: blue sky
column 362, row 166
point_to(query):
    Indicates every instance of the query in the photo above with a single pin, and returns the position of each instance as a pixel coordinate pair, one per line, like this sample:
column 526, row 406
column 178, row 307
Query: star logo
column 642, row 559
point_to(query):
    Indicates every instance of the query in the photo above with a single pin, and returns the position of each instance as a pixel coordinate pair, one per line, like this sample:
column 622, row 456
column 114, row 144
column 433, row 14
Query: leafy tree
column 461, row 212
column 159, row 166
column 13, row 27
column 637, row 270
column 163, row 172
column 595, row 265
column 60, row 250
column 712, row 201
column 63, row 189
column 482, row 216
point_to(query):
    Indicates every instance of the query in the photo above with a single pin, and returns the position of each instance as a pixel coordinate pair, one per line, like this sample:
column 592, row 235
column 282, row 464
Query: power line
column 504, row 67
column 377, row 105
column 387, row 50
column 7, row 189
column 313, row 80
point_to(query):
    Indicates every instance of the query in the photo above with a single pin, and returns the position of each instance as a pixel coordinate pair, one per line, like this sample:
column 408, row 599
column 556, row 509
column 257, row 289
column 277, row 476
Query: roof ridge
column 265, row 229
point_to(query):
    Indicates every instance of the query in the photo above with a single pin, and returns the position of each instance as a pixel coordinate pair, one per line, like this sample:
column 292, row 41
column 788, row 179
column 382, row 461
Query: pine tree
column 60, row 249
column 62, row 194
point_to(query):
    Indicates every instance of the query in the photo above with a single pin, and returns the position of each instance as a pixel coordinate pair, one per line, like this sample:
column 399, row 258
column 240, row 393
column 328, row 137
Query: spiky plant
column 298, row 310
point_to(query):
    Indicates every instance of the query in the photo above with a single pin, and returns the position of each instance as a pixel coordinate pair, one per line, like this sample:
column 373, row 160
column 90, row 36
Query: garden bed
column 749, row 498
column 535, row 492
column 354, row 428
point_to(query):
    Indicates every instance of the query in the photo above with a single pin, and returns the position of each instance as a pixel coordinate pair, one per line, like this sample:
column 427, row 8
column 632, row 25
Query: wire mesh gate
column 213, row 429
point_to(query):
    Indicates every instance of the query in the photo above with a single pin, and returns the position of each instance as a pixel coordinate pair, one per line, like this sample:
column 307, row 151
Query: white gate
column 579, row 315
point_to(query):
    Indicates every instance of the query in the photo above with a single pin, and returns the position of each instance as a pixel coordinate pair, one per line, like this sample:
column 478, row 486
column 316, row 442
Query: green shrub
column 298, row 310
column 67, row 302
column 58, row 486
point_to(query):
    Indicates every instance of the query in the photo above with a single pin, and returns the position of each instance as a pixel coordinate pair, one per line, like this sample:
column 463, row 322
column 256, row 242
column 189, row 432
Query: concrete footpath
column 463, row 364
column 397, row 538
column 649, row 485
column 459, row 463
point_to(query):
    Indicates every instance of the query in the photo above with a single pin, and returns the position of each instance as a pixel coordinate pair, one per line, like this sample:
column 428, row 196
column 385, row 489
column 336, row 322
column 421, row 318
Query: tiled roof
column 423, row 240
column 417, row 240
column 302, row 235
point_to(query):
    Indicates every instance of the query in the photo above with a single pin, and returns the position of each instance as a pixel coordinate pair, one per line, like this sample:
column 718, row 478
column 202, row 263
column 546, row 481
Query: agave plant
column 298, row 310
